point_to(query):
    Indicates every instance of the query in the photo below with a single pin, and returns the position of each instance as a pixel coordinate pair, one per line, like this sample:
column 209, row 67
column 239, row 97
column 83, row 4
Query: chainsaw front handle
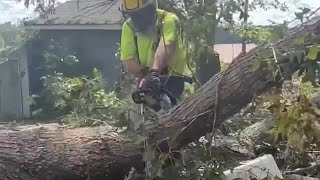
column 186, row 79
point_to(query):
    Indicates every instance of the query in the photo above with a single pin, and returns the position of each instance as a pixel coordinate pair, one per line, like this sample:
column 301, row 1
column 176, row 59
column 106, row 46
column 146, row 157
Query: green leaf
column 305, row 10
column 60, row 103
column 299, row 16
column 299, row 40
column 313, row 52
column 310, row 74
column 296, row 139
column 96, row 73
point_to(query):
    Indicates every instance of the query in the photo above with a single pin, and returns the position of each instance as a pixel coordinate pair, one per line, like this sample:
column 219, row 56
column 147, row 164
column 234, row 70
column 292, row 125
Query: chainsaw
column 157, row 97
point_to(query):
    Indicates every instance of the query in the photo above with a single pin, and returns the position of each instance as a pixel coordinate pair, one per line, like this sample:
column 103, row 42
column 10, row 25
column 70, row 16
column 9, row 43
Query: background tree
column 200, row 20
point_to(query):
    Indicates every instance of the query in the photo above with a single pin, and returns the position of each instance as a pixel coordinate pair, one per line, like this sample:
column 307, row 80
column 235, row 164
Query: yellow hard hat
column 128, row 6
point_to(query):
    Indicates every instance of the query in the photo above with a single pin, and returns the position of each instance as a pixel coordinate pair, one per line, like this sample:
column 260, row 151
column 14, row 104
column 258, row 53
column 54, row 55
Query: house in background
column 229, row 45
column 92, row 28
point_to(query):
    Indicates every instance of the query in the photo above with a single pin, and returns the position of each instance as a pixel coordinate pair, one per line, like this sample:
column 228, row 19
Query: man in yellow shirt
column 152, row 43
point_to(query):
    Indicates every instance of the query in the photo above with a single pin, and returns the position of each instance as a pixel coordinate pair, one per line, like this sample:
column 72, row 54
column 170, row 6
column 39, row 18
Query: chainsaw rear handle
column 165, row 75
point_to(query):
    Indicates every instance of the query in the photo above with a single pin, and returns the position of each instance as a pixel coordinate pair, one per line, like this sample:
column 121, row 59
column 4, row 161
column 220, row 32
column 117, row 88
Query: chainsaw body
column 158, row 100
column 153, row 94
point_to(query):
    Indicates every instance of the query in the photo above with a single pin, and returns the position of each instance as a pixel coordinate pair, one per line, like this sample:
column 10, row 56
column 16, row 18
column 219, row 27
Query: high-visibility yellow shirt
column 171, row 31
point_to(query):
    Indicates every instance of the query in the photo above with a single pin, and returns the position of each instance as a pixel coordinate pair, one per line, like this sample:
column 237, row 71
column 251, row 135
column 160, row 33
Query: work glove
column 150, row 84
column 151, row 81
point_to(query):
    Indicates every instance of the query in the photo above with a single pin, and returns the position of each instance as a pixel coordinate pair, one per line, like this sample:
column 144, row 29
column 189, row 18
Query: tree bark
column 51, row 152
column 257, row 132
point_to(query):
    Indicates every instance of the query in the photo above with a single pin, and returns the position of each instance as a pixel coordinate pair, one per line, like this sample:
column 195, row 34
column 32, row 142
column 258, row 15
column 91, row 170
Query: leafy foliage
column 303, row 60
column 195, row 161
column 55, row 55
column 84, row 100
column 12, row 37
column 260, row 35
column 200, row 20
column 297, row 119
column 303, row 12
column 60, row 58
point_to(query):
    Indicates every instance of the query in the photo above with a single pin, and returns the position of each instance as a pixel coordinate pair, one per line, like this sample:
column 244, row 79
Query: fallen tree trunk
column 247, row 77
column 257, row 132
column 51, row 152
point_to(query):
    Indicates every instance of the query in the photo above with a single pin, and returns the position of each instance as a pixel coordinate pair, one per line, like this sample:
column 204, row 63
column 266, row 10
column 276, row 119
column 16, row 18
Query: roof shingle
column 83, row 12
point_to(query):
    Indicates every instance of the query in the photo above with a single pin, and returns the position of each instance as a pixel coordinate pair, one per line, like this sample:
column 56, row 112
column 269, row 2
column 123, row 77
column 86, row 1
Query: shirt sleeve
column 127, row 45
column 170, row 28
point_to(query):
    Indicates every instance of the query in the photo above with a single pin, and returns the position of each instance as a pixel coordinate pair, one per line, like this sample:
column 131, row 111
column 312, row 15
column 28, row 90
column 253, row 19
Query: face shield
column 143, row 19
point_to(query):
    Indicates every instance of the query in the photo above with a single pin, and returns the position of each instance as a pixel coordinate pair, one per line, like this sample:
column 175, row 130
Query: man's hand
column 150, row 85
column 133, row 67
column 151, row 81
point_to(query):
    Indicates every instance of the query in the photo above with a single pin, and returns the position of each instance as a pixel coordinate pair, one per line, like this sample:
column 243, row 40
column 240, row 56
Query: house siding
column 14, row 88
column 96, row 48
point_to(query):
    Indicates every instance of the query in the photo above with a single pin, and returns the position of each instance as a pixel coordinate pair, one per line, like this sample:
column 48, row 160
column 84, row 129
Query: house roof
column 97, row 13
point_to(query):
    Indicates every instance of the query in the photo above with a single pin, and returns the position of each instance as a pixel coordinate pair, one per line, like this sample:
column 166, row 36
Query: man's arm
column 133, row 67
column 128, row 52
column 163, row 54
column 167, row 45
